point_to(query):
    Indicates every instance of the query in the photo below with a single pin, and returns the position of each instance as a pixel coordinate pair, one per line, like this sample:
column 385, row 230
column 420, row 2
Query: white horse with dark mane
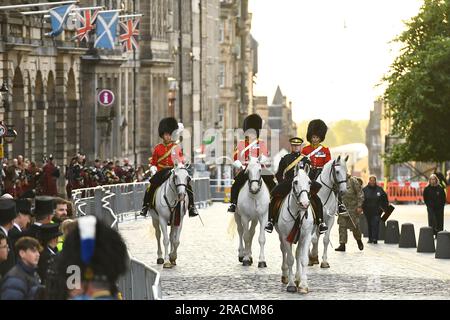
column 252, row 207
column 296, row 209
column 171, row 203
column 333, row 179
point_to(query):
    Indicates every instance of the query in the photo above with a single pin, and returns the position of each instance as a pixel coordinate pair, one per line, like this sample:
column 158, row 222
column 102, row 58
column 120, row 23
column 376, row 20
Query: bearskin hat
column 318, row 128
column 167, row 125
column 253, row 121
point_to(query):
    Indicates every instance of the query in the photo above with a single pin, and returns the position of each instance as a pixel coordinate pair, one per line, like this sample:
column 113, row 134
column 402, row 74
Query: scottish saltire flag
column 85, row 24
column 129, row 32
column 105, row 29
column 58, row 17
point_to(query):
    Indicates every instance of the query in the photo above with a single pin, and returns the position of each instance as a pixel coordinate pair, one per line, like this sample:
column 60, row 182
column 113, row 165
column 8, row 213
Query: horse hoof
column 303, row 290
column 262, row 264
column 313, row 261
column 167, row 265
column 246, row 263
column 160, row 261
column 284, row 280
column 291, row 289
column 173, row 262
column 324, row 264
column 310, row 264
column 241, row 259
column 251, row 260
column 297, row 283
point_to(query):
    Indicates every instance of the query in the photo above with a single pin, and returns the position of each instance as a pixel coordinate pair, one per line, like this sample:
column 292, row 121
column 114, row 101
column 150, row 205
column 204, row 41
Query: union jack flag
column 129, row 31
column 85, row 24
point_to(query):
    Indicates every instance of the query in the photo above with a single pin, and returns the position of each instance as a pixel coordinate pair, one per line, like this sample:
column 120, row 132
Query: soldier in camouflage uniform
column 353, row 200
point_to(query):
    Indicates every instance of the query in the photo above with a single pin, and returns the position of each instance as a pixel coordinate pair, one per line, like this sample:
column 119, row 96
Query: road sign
column 3, row 130
column 105, row 97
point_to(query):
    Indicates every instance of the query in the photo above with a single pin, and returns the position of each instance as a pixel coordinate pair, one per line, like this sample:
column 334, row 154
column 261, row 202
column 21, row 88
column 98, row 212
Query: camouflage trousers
column 345, row 223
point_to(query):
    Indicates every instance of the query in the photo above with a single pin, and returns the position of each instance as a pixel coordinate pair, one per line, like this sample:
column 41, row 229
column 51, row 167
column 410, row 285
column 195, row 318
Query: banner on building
column 58, row 17
column 105, row 29
column 85, row 24
column 129, row 33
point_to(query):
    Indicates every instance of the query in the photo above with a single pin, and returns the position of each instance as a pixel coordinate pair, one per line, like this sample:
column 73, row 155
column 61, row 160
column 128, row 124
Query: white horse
column 333, row 179
column 295, row 206
column 252, row 206
column 170, row 194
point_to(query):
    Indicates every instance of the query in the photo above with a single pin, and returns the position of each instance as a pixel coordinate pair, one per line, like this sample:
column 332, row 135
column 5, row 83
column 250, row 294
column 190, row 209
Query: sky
column 328, row 55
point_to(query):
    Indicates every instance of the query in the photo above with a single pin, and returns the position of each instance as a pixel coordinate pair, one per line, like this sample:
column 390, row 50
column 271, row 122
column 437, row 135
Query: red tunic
column 319, row 159
column 49, row 180
column 255, row 150
column 164, row 155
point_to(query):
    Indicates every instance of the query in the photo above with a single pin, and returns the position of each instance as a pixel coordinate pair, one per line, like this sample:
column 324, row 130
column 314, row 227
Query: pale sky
column 327, row 55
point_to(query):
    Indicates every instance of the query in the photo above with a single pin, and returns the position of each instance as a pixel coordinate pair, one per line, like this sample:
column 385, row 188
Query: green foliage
column 340, row 132
column 418, row 92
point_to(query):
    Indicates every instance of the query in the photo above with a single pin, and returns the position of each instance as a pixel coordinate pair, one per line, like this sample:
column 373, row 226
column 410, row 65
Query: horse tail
column 231, row 230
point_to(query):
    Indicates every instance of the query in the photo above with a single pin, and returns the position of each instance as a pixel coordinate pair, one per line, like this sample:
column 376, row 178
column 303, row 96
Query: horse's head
column 181, row 180
column 254, row 171
column 340, row 173
column 301, row 187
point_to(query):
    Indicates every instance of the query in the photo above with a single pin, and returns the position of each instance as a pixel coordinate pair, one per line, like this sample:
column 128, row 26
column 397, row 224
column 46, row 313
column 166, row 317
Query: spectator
column 48, row 237
column 448, row 177
column 434, row 198
column 67, row 226
column 7, row 215
column 100, row 266
column 49, row 177
column 375, row 202
column 4, row 250
column 43, row 213
column 60, row 210
column 22, row 221
column 140, row 174
column 22, row 282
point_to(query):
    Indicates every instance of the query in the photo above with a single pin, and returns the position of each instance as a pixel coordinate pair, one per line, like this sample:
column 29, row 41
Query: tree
column 418, row 91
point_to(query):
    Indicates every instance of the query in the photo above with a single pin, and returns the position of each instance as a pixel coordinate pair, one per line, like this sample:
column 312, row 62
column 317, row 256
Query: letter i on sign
column 105, row 98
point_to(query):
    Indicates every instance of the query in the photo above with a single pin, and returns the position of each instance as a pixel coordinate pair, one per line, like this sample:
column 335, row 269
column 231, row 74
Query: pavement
column 208, row 266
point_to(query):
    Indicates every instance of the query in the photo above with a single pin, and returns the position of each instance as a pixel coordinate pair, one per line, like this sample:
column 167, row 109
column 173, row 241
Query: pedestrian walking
column 353, row 200
column 375, row 202
column 434, row 198
column 22, row 281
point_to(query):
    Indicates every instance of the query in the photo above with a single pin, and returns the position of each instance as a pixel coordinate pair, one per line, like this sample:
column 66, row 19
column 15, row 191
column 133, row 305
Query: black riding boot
column 239, row 181
column 147, row 199
column 270, row 221
column 192, row 209
column 318, row 209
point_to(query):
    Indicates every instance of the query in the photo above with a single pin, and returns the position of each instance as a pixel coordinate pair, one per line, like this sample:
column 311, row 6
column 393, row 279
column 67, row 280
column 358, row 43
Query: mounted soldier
column 251, row 146
column 285, row 175
column 162, row 162
column 318, row 154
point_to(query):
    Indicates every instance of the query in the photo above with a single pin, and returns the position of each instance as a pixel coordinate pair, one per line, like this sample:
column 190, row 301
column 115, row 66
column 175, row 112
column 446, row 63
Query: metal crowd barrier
column 220, row 190
column 115, row 203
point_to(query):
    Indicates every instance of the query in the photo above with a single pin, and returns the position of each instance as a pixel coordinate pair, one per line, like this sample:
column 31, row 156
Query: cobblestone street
column 208, row 267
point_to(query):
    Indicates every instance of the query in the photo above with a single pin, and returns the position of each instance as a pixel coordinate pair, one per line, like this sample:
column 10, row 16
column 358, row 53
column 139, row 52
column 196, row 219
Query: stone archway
column 16, row 114
column 39, row 113
column 51, row 114
column 72, row 115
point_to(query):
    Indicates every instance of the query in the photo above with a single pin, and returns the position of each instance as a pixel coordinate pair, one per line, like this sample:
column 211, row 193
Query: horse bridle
column 259, row 181
column 335, row 187
column 297, row 200
column 176, row 186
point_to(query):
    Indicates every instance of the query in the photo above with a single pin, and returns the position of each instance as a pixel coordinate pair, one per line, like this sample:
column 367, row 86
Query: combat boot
column 360, row 244
column 341, row 247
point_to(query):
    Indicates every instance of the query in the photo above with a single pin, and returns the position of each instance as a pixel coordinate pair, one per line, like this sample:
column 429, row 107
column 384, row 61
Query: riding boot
column 148, row 197
column 318, row 210
column 192, row 209
column 269, row 225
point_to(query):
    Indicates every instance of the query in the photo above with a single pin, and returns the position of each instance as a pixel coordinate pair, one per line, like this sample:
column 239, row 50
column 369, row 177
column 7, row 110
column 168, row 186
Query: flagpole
column 131, row 15
column 18, row 6
column 134, row 99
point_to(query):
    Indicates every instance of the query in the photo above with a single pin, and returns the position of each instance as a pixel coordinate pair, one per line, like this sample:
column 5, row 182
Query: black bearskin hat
column 108, row 262
column 253, row 121
column 318, row 128
column 167, row 125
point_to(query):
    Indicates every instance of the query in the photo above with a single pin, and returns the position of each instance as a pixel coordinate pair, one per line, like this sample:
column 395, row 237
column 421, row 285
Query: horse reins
column 336, row 183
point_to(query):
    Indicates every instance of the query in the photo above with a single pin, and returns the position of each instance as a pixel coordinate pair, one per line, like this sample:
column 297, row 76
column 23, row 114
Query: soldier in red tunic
column 162, row 162
column 49, row 178
column 252, row 146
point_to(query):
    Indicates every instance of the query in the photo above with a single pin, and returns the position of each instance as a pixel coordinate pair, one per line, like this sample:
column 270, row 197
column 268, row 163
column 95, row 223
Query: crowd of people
column 23, row 178
column 41, row 246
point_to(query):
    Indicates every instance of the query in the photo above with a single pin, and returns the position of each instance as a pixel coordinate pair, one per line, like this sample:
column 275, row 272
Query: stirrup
column 144, row 211
column 193, row 211
column 269, row 227
column 322, row 228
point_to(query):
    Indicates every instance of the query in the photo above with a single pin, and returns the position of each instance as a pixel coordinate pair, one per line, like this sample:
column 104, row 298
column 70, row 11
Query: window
column 222, row 75
column 222, row 31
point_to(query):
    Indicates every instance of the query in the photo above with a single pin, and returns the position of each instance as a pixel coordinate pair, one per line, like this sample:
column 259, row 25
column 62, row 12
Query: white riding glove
column 237, row 164
column 153, row 170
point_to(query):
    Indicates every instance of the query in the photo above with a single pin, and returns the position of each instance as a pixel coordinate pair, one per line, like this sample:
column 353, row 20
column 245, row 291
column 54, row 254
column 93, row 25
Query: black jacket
column 10, row 262
column 45, row 262
column 14, row 234
column 375, row 200
column 32, row 231
column 434, row 196
column 284, row 163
